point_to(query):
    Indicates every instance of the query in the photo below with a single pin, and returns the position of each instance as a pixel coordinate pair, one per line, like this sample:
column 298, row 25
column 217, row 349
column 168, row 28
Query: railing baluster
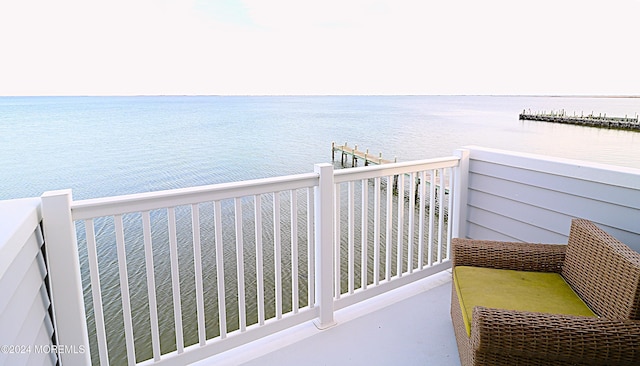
column 222, row 310
column 151, row 285
column 259, row 258
column 400, row 243
column 197, row 262
column 432, row 203
column 337, row 258
column 242, row 310
column 364, row 268
column 311, row 258
column 449, row 213
column 440, row 213
column 389, row 228
column 96, row 292
column 175, row 279
column 294, row 251
column 124, row 290
column 422, row 187
column 412, row 209
column 277, row 253
column 350, row 226
column 376, row 232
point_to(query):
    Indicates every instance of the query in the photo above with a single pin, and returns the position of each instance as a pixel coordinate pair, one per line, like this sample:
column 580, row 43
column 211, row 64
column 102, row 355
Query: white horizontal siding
column 24, row 301
column 532, row 198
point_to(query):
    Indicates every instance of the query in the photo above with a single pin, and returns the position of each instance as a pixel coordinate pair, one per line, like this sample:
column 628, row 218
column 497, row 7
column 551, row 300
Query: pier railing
column 176, row 276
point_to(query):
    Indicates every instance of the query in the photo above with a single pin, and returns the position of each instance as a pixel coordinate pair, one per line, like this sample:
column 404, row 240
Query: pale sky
column 130, row 47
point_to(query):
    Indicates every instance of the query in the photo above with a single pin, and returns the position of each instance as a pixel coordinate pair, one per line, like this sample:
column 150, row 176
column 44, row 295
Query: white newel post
column 324, row 245
column 461, row 188
column 65, row 280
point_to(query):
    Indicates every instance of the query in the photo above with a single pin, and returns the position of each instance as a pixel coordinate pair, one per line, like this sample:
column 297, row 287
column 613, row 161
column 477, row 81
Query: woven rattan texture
column 506, row 255
column 603, row 271
column 556, row 337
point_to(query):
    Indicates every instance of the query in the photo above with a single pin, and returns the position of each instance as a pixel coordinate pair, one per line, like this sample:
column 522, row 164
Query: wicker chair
column 602, row 271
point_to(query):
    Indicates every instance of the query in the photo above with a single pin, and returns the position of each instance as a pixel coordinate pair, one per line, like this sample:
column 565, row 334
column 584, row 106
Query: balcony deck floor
column 409, row 326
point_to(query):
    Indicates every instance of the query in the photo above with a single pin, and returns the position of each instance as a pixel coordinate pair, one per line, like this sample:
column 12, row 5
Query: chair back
column 604, row 272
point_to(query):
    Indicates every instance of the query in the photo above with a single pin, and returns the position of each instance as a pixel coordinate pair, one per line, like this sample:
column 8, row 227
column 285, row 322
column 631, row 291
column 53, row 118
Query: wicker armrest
column 566, row 338
column 508, row 255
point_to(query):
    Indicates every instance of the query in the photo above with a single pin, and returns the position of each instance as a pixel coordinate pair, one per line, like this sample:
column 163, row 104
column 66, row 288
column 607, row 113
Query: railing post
column 324, row 245
column 65, row 280
column 461, row 187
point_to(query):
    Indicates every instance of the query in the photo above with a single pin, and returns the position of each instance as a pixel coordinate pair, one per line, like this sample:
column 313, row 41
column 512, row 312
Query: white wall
column 24, row 301
column 532, row 198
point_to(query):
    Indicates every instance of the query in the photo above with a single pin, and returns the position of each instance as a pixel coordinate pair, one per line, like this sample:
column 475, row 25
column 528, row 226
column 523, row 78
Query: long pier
column 357, row 155
column 623, row 123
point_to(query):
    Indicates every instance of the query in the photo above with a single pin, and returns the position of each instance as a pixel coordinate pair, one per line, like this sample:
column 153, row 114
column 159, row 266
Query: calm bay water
column 104, row 146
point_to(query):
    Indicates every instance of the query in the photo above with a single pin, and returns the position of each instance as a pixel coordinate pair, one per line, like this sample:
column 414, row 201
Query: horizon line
column 330, row 95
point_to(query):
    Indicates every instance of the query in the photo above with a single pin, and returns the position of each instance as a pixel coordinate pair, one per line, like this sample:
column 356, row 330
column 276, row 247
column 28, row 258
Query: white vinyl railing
column 391, row 221
column 176, row 276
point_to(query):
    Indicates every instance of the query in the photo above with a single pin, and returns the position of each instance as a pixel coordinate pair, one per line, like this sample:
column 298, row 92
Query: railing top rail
column 375, row 171
column 109, row 206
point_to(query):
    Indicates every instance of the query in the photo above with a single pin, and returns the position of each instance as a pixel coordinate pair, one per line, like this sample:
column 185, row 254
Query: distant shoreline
column 328, row 95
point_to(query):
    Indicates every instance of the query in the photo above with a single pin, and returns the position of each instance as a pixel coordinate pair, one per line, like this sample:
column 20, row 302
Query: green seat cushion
column 539, row 292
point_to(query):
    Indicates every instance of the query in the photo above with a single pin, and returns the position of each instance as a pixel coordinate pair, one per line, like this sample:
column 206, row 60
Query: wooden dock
column 623, row 123
column 356, row 155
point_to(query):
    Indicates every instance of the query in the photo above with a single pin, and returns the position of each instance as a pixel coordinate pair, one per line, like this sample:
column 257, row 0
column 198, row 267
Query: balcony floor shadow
column 410, row 326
